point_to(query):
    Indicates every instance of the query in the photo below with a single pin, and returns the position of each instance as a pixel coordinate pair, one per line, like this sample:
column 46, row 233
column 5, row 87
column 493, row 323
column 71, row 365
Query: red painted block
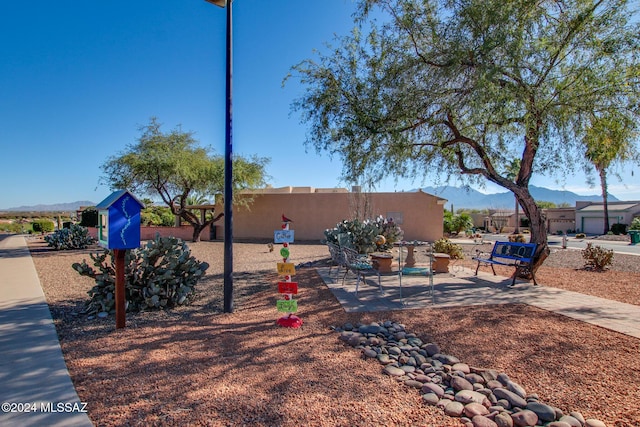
column 288, row 287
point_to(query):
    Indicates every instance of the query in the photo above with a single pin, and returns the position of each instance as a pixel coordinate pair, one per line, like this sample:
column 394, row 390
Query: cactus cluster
column 74, row 237
column 160, row 275
column 363, row 236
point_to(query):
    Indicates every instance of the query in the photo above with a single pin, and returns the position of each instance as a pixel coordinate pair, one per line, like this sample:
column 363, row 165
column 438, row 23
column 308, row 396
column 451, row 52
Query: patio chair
column 360, row 265
column 337, row 257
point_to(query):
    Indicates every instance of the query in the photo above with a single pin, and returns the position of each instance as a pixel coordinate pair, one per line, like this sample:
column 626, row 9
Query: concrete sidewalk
column 461, row 288
column 36, row 388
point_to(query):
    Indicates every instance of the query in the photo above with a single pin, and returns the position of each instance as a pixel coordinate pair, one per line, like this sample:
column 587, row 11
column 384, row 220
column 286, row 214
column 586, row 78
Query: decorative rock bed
column 479, row 397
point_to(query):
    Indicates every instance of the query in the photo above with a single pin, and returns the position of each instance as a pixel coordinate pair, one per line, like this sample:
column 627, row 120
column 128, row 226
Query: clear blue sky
column 78, row 78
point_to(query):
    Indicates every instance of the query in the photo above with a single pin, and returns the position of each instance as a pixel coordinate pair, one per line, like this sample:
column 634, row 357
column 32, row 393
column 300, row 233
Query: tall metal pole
column 228, row 173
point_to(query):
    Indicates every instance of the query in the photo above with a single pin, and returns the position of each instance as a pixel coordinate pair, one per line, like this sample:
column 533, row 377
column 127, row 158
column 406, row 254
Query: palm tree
column 608, row 140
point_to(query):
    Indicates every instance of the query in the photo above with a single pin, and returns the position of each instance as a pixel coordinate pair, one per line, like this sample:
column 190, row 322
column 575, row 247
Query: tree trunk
column 537, row 224
column 516, row 230
column 605, row 204
column 197, row 230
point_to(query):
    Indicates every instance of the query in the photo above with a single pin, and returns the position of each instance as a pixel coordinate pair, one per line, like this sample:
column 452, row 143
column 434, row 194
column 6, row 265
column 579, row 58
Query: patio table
column 410, row 263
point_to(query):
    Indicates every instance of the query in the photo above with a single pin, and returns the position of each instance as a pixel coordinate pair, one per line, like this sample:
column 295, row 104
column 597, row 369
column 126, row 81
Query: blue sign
column 283, row 236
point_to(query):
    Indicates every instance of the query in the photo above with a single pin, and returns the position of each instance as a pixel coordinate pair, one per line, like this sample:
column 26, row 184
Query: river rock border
column 479, row 397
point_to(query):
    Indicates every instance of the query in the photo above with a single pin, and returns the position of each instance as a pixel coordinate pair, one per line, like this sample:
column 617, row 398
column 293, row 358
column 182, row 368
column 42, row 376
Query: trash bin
column 635, row 236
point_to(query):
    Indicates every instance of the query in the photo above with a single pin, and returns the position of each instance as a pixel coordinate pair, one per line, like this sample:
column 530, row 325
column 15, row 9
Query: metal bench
column 512, row 254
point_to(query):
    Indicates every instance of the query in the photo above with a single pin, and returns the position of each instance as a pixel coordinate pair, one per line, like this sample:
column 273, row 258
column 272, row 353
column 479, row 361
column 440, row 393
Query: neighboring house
column 590, row 215
column 312, row 210
column 561, row 220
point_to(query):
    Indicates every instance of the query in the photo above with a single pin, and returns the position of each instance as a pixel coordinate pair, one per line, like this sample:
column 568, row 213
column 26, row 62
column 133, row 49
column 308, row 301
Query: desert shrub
column 618, row 229
column 461, row 222
column 517, row 238
column 157, row 215
column 43, row 226
column 596, row 257
column 13, row 227
column 362, row 236
column 635, row 224
column 454, row 224
column 445, row 246
column 580, row 236
column 161, row 275
column 74, row 237
column 89, row 217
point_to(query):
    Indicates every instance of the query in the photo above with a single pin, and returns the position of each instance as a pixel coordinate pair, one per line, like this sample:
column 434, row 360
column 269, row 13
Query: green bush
column 43, row 226
column 635, row 224
column 454, row 224
column 158, row 216
column 161, row 275
column 445, row 246
column 14, row 227
column 74, row 237
column 596, row 257
column 461, row 222
column 362, row 236
column 618, row 229
column 89, row 217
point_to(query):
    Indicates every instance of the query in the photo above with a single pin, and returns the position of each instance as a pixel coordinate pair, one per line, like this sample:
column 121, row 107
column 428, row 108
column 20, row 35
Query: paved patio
column 460, row 287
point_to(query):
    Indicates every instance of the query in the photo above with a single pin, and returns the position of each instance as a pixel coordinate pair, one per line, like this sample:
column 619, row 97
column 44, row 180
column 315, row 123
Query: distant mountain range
column 460, row 197
column 58, row 207
column 465, row 197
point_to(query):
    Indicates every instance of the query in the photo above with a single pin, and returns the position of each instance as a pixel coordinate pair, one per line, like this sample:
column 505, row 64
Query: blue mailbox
column 119, row 221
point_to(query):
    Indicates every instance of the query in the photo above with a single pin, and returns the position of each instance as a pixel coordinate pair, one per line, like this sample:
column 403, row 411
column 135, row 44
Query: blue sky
column 78, row 79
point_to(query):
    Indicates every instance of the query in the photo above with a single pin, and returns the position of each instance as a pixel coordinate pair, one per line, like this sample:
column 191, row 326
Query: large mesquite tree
column 173, row 166
column 462, row 87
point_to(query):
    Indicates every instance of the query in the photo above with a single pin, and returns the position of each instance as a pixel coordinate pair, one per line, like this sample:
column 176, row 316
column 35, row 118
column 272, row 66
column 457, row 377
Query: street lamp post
column 228, row 166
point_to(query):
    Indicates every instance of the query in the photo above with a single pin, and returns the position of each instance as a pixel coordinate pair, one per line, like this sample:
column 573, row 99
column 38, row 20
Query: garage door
column 596, row 225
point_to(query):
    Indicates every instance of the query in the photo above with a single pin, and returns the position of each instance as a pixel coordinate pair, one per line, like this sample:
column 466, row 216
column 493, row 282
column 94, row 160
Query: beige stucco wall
column 421, row 214
column 315, row 210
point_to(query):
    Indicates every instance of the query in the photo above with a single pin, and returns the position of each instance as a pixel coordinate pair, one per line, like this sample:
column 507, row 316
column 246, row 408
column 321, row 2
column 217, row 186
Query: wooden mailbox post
column 119, row 230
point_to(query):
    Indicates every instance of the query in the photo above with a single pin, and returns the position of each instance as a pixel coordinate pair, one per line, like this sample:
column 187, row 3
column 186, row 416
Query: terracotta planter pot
column 382, row 262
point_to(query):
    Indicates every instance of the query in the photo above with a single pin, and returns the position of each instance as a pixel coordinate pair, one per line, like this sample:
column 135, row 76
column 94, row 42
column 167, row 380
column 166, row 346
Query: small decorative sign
column 286, row 268
column 283, row 236
column 287, row 306
column 288, row 287
column 284, row 253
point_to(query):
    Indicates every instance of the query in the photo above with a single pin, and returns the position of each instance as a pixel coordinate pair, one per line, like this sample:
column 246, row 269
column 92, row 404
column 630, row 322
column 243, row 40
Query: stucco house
column 561, row 219
column 590, row 215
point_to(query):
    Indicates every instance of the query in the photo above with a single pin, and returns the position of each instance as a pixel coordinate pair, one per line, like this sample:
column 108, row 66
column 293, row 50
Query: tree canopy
column 173, row 166
column 462, row 87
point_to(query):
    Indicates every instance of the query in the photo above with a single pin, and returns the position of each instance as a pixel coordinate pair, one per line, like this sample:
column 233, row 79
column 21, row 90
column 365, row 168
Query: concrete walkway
column 35, row 387
column 461, row 287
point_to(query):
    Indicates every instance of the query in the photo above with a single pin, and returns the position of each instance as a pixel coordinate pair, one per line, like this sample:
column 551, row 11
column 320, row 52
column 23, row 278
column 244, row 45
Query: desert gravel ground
column 198, row 366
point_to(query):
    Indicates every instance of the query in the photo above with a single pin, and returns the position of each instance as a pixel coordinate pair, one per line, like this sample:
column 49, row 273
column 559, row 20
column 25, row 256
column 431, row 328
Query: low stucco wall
column 312, row 213
column 420, row 215
column 184, row 232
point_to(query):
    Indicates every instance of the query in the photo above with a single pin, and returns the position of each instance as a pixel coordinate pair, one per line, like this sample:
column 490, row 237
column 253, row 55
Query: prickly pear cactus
column 74, row 237
column 161, row 275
